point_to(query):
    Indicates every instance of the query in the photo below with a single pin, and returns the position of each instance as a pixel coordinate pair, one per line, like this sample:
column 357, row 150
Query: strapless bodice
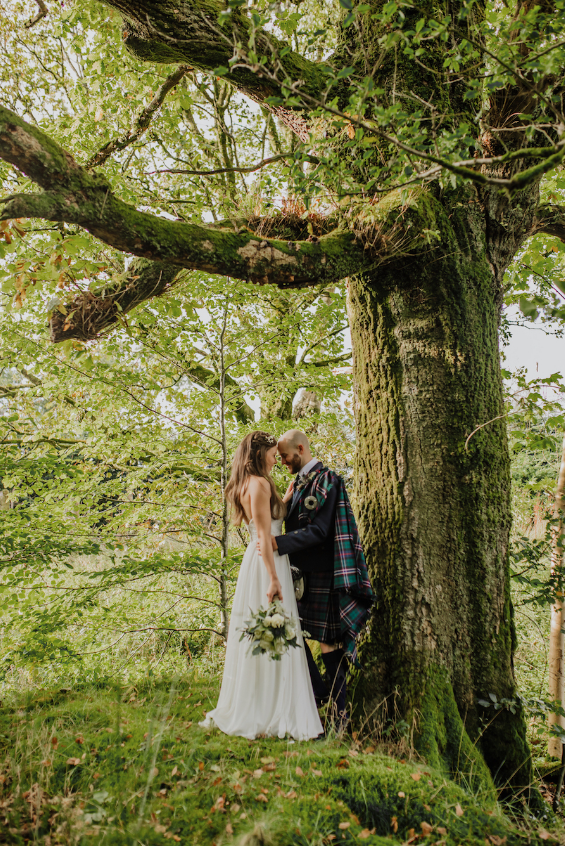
column 276, row 528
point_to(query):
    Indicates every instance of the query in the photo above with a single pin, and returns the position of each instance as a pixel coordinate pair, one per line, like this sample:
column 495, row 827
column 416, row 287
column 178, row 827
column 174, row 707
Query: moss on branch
column 189, row 32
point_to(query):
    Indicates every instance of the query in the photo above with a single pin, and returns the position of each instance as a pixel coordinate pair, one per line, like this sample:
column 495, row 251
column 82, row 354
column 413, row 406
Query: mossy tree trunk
column 434, row 509
column 425, row 270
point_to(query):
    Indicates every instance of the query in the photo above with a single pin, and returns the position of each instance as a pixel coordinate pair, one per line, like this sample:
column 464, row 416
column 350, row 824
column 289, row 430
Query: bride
column 260, row 696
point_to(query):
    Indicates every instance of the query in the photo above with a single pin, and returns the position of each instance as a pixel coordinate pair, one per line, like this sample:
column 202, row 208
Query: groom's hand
column 273, row 544
column 289, row 492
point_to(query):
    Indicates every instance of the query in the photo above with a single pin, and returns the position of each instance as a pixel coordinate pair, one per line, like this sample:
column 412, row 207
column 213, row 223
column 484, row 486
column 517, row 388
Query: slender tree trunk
column 435, row 515
column 223, row 483
column 556, row 636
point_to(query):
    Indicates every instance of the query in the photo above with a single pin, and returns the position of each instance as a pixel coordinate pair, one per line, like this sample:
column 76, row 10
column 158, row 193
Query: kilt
column 319, row 608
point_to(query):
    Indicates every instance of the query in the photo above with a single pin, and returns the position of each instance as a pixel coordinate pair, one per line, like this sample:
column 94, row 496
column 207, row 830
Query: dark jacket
column 311, row 547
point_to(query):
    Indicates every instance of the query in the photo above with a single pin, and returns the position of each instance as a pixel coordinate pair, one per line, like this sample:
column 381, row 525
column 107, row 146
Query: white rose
column 277, row 620
column 280, row 647
column 264, row 644
column 289, row 632
column 268, row 636
column 267, row 621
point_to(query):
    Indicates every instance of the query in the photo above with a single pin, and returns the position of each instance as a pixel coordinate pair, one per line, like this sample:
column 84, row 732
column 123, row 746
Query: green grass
column 99, row 765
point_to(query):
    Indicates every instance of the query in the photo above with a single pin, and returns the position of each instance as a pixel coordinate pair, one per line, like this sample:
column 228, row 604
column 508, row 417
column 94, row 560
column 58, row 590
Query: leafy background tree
column 400, row 147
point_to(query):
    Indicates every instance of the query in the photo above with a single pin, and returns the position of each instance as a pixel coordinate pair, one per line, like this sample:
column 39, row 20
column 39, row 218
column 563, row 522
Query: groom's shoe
column 336, row 666
column 321, row 694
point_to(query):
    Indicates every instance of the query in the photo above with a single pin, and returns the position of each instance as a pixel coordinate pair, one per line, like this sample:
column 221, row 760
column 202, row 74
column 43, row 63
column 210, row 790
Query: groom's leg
column 336, row 666
column 318, row 685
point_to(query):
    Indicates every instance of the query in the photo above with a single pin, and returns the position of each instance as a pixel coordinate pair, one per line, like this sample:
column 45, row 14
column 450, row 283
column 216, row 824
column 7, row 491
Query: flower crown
column 263, row 439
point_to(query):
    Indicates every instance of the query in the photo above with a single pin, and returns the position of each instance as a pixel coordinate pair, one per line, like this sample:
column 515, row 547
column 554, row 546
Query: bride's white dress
column 260, row 696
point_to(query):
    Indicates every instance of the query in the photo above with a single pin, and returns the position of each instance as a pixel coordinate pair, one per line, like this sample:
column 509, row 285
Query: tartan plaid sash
column 350, row 576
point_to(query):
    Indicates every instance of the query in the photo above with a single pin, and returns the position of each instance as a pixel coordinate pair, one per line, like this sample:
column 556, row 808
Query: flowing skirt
column 260, row 696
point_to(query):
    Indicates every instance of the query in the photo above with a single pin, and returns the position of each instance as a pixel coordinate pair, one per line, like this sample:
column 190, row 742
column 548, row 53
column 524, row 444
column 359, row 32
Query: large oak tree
column 422, row 139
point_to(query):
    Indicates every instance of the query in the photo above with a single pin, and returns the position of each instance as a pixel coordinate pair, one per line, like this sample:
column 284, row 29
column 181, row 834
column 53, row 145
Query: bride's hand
column 289, row 491
column 275, row 589
column 273, row 545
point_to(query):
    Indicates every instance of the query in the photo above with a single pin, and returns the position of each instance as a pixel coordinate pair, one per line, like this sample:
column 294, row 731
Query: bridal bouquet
column 271, row 631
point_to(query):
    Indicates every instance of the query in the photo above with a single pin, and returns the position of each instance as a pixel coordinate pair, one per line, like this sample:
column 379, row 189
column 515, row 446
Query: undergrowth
column 98, row 764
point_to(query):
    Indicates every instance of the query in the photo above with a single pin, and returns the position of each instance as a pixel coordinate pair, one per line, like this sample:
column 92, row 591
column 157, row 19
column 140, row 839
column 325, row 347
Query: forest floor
column 103, row 765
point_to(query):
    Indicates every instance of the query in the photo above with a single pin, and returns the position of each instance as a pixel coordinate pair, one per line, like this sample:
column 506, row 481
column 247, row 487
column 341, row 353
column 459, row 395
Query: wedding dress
column 260, row 696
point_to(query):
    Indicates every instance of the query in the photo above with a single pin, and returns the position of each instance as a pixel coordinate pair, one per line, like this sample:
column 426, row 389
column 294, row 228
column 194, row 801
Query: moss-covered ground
column 131, row 766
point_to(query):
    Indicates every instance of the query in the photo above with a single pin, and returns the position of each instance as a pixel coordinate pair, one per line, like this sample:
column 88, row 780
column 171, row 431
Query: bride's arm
column 260, row 495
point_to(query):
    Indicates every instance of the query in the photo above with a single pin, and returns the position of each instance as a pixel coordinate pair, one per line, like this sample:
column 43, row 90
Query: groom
column 322, row 540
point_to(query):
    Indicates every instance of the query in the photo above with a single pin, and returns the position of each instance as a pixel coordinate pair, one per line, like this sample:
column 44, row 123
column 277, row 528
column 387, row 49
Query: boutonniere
column 305, row 480
column 310, row 503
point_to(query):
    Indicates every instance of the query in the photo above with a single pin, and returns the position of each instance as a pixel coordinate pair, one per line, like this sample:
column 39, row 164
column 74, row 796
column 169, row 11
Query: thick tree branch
column 156, row 32
column 90, row 312
column 143, row 120
column 42, row 12
column 74, row 195
column 550, row 219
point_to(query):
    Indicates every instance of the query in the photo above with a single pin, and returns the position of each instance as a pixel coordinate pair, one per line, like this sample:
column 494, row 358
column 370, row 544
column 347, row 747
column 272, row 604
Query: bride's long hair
column 249, row 460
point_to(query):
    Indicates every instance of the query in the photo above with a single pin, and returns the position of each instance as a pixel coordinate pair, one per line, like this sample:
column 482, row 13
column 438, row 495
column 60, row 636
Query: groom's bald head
column 294, row 448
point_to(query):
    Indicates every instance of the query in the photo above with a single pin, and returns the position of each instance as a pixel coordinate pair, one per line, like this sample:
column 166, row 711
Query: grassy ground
column 131, row 766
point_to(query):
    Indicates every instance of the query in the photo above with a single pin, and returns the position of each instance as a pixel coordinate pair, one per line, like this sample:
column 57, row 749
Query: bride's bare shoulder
column 258, row 484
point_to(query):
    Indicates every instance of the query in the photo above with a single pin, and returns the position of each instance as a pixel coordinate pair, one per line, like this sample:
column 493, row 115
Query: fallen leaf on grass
column 344, row 825
column 353, row 753
column 235, row 808
column 365, row 833
column 290, row 754
column 201, row 765
column 257, row 773
column 394, row 824
column 267, row 760
column 545, row 835
column 238, row 788
column 426, row 828
column 496, row 840
column 154, row 772
column 216, row 781
column 229, row 829
column 441, row 830
column 459, row 810
column 174, row 770
column 402, row 794
column 416, row 776
column 160, row 829
column 54, row 742
column 368, row 751
column 73, row 762
column 317, row 772
column 261, row 798
column 343, row 764
column 299, row 771
column 46, row 763
column 292, row 794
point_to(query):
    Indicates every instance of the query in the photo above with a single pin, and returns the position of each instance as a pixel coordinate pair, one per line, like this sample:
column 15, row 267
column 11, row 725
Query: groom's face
column 291, row 457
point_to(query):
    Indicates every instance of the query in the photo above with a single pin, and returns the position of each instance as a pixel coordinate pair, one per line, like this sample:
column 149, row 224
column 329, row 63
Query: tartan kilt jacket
column 323, row 541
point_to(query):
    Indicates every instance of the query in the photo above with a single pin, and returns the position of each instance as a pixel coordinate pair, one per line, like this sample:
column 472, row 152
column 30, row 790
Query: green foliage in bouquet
column 271, row 631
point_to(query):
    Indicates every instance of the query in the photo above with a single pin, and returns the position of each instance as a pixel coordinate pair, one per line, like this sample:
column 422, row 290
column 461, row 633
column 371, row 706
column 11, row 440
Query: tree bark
column 435, row 517
column 434, row 514
column 557, row 636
